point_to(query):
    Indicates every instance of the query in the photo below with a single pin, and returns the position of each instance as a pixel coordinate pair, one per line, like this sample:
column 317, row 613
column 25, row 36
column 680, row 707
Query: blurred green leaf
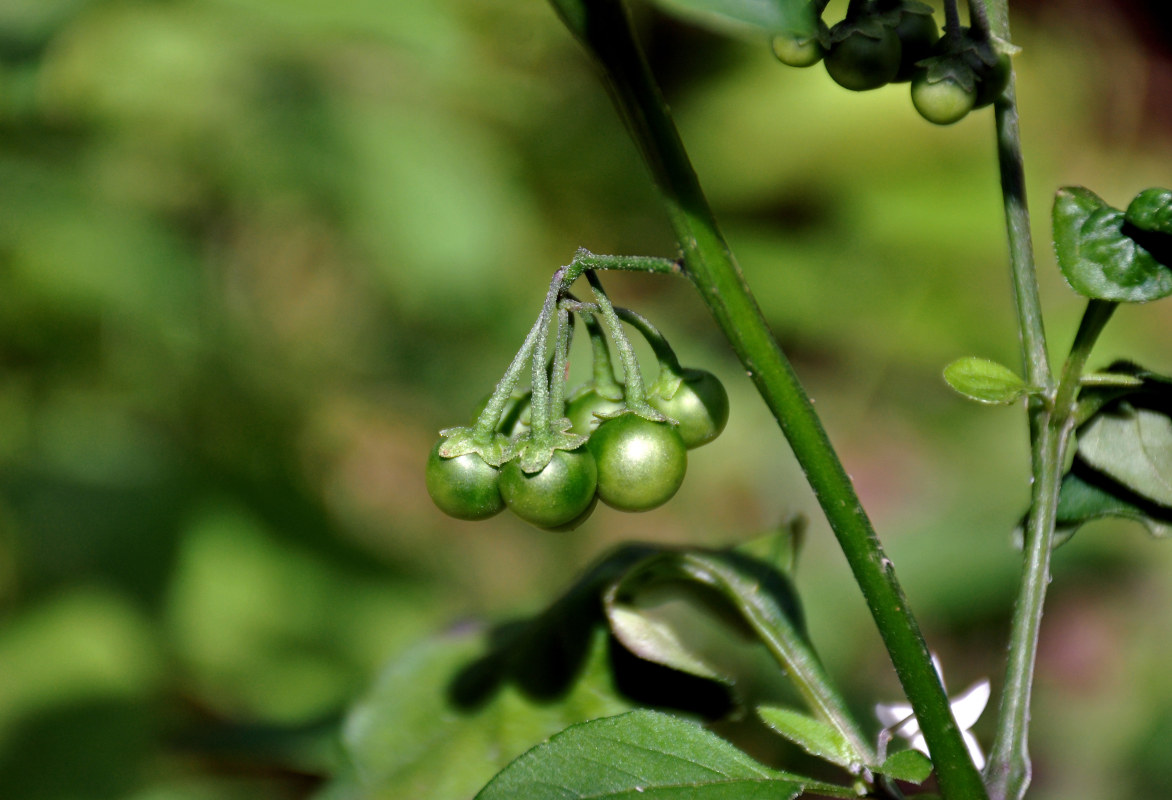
column 428, row 733
column 1096, row 255
column 768, row 16
column 640, row 754
column 984, row 381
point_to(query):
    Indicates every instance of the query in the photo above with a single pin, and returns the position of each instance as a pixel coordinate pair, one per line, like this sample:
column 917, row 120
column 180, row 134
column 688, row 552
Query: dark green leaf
column 812, row 735
column 1086, row 495
column 1097, row 257
column 1132, row 445
column 984, row 381
column 907, row 765
column 1151, row 210
column 640, row 755
column 769, row 16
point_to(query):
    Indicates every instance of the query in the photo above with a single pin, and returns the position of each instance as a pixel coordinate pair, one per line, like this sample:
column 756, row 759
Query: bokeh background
column 254, row 254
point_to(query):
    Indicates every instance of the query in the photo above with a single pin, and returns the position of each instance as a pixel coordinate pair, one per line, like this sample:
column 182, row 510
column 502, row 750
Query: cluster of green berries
column 549, row 458
column 898, row 41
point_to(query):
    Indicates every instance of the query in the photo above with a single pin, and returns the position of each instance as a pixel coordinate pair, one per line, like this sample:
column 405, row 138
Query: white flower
column 898, row 719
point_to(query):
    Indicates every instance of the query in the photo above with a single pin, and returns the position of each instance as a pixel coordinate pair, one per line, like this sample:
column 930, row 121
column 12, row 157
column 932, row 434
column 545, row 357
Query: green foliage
column 984, row 381
column 442, row 719
column 775, row 16
column 1100, row 257
column 646, row 754
column 815, row 737
column 907, row 765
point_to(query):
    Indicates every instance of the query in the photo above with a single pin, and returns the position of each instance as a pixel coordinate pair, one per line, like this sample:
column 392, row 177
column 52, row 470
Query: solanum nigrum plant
column 613, row 691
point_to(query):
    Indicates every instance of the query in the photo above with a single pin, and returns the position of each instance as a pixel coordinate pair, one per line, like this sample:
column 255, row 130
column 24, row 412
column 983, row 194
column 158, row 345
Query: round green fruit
column 797, row 50
column 464, row 487
column 556, row 495
column 641, row 463
column 700, row 406
column 860, row 61
column 943, row 102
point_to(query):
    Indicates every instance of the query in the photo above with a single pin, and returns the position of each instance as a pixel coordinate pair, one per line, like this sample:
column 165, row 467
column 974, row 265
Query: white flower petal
column 969, row 704
column 891, row 714
column 974, row 749
column 919, row 743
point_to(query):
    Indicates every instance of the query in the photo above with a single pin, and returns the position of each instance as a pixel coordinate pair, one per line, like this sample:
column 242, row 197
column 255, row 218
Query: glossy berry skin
column 584, row 405
column 559, row 494
column 943, row 102
column 797, row 51
column 641, row 464
column 860, row 62
column 700, row 406
column 464, row 487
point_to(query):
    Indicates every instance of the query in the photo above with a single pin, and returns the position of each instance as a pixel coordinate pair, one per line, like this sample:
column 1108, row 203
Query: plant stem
column 603, row 26
column 1031, row 332
column 1008, row 771
column 1009, row 767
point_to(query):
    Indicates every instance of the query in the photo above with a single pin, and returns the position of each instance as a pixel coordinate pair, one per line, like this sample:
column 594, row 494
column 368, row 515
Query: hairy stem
column 1008, row 771
column 1009, row 768
column 603, row 27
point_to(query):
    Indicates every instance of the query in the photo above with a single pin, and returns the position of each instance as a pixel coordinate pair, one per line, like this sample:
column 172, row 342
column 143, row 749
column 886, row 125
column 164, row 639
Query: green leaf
column 1097, row 257
column 637, row 756
column 984, row 381
column 907, row 765
column 1151, row 210
column 420, row 735
column 812, row 735
column 1132, row 445
column 1085, row 496
column 450, row 713
column 769, row 16
column 710, row 612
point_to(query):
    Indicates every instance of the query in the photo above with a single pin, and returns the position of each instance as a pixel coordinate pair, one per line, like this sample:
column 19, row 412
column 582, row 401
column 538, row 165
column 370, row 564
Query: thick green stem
column 603, row 26
column 1009, row 769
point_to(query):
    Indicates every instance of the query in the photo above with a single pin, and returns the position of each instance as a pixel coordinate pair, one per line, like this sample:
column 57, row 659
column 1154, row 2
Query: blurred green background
column 254, row 254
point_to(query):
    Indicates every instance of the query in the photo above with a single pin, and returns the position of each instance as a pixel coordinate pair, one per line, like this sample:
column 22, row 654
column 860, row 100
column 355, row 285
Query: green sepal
column 812, row 735
column 873, row 26
column 1097, row 256
column 495, row 450
column 907, row 765
column 534, row 451
column 950, row 67
column 985, row 381
column 667, row 383
column 642, row 409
